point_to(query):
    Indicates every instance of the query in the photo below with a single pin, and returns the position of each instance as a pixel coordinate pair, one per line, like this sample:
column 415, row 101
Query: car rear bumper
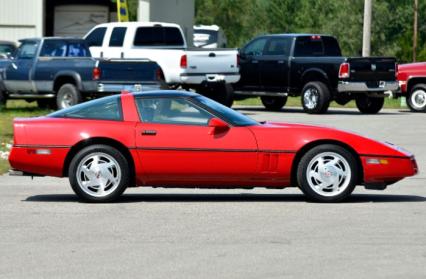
column 198, row 78
column 135, row 87
column 354, row 87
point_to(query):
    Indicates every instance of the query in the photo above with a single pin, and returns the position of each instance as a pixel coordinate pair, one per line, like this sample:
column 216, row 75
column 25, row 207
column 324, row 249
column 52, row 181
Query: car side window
column 96, row 37
column 171, row 111
column 255, row 48
column 117, row 36
column 278, row 46
column 102, row 109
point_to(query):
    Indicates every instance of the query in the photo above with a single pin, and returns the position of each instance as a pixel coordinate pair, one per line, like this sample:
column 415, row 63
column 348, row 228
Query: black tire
column 222, row 93
column 68, row 95
column 315, row 97
column 3, row 100
column 47, row 103
column 327, row 194
column 416, row 99
column 273, row 103
column 369, row 105
column 121, row 166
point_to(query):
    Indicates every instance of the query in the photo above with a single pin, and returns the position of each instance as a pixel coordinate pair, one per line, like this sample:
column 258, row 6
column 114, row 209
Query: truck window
column 255, row 48
column 309, row 46
column 27, row 50
column 158, row 36
column 117, row 36
column 331, row 47
column 53, row 48
column 278, row 46
column 76, row 49
column 96, row 37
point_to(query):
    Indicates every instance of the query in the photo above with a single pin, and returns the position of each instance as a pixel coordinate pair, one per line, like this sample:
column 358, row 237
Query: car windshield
column 230, row 115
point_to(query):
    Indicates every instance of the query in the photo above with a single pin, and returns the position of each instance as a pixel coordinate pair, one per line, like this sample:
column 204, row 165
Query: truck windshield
column 230, row 115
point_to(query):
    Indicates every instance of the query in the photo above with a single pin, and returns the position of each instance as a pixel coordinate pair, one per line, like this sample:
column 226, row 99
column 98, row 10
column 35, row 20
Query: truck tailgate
column 214, row 61
column 126, row 70
column 372, row 68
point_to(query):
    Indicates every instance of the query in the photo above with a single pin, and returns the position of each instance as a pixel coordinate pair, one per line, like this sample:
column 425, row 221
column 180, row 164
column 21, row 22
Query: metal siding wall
column 20, row 19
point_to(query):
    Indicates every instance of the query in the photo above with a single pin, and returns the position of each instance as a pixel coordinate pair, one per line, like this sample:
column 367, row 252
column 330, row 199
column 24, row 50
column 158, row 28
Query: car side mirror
column 217, row 126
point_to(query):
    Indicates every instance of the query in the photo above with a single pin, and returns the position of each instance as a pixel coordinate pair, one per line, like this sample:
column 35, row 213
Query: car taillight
column 96, row 74
column 238, row 60
column 159, row 74
column 183, row 61
column 344, row 70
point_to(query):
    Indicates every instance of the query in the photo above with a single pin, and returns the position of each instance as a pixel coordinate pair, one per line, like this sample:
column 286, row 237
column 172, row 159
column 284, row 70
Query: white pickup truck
column 210, row 72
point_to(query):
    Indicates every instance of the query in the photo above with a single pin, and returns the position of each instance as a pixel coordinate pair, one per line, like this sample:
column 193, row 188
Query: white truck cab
column 209, row 72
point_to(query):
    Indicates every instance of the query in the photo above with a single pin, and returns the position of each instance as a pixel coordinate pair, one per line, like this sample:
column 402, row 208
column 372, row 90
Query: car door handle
column 280, row 61
column 254, row 61
column 149, row 132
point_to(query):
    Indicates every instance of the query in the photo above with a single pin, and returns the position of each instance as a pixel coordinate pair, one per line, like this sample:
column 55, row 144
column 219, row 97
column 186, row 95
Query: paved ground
column 46, row 233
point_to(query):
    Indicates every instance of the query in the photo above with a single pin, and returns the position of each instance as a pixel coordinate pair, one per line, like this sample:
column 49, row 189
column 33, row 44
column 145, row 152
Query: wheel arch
column 304, row 149
column 315, row 74
column 67, row 77
column 99, row 140
column 413, row 82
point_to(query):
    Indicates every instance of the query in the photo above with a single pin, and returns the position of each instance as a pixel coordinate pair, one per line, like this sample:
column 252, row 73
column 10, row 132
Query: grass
column 14, row 109
column 20, row 108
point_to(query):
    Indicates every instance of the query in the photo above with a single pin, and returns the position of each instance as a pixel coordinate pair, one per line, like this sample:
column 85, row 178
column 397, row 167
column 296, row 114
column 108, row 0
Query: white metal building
column 35, row 18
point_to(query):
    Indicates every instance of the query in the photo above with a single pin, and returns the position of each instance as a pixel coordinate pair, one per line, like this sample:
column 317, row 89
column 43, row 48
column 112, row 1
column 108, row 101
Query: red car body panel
column 188, row 155
column 407, row 72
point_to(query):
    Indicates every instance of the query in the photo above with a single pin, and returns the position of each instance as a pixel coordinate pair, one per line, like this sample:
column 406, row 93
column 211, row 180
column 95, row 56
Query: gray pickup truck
column 60, row 72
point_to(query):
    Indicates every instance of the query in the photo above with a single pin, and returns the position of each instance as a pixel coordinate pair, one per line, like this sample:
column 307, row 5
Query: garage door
column 77, row 20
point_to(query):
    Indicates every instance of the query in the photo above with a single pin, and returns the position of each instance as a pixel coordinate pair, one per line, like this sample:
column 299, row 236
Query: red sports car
column 182, row 139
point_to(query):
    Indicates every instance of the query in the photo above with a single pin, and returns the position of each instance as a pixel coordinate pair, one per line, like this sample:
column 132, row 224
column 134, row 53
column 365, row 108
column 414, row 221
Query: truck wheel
column 416, row 99
column 68, row 96
column 369, row 105
column 222, row 93
column 3, row 100
column 273, row 103
column 47, row 103
column 315, row 97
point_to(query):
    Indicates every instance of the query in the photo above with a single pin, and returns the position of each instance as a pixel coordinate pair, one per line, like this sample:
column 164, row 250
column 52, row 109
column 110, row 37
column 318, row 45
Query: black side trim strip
column 212, row 149
column 384, row 156
column 40, row 146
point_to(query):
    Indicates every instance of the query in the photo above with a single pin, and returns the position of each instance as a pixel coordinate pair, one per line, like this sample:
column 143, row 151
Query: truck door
column 19, row 71
column 273, row 64
column 114, row 43
column 249, row 64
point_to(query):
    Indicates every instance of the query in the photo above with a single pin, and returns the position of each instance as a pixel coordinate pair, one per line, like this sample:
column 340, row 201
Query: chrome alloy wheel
column 310, row 98
column 418, row 99
column 67, row 100
column 328, row 174
column 98, row 174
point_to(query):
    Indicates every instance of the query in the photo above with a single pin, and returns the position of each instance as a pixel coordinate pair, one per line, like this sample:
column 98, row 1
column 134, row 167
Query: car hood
column 289, row 137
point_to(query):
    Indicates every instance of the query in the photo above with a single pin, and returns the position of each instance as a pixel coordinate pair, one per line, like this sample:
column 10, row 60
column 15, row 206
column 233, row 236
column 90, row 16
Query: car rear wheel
column 68, row 96
column 273, row 103
column 327, row 173
column 416, row 100
column 315, row 97
column 99, row 173
column 369, row 105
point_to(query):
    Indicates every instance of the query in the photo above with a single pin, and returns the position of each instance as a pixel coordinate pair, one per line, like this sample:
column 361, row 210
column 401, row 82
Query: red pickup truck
column 412, row 81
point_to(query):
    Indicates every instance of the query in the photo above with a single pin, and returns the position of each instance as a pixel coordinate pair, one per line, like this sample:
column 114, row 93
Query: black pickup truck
column 312, row 66
column 60, row 72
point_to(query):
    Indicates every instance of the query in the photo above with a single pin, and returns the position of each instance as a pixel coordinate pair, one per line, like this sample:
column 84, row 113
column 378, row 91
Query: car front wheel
column 416, row 100
column 327, row 173
column 99, row 173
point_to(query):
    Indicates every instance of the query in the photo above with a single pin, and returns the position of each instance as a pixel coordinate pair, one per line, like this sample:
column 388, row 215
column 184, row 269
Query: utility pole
column 416, row 4
column 366, row 36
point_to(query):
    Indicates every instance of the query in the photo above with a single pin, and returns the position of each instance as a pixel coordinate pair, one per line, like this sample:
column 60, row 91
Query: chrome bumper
column 348, row 86
column 138, row 87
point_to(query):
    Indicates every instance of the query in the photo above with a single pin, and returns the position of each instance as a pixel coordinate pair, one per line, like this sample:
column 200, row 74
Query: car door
column 18, row 72
column 273, row 64
column 249, row 64
column 177, row 147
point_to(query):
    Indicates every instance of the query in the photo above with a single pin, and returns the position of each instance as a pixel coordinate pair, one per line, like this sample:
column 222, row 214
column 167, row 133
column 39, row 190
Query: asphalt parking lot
column 155, row 233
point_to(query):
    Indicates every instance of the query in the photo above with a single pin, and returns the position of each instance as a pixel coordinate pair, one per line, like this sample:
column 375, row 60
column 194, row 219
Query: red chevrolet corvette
column 182, row 139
